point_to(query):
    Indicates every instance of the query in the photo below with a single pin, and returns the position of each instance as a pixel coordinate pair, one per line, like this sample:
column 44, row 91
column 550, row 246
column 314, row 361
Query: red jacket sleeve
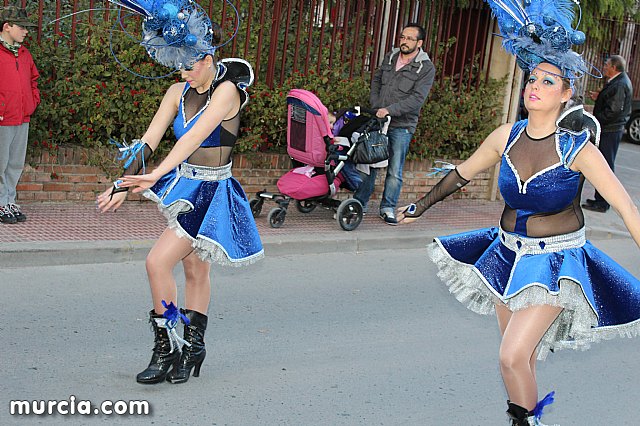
column 34, row 84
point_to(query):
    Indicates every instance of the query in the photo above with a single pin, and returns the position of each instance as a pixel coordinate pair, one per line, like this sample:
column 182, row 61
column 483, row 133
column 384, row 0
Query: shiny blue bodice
column 546, row 191
column 181, row 125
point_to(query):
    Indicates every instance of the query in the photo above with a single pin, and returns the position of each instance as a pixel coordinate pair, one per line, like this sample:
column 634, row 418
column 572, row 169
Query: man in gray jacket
column 399, row 88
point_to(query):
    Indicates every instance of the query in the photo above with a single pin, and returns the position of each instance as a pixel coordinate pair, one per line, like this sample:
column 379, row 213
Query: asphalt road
column 331, row 339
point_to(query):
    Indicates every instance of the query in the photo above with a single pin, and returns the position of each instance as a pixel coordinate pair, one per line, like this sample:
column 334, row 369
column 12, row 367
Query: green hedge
column 89, row 99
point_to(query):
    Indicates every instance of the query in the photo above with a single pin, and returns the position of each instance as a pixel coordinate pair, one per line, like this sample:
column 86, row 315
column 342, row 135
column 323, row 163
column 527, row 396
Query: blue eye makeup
column 546, row 79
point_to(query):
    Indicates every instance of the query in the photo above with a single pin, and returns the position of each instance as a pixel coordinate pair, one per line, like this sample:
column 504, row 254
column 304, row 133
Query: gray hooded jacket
column 402, row 92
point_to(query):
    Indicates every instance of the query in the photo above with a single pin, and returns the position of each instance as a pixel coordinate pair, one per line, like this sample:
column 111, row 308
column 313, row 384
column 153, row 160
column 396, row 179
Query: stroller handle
column 366, row 110
column 383, row 122
column 369, row 111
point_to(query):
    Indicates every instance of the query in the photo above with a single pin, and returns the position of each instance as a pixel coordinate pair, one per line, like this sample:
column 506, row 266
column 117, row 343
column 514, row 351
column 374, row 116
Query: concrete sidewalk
column 76, row 233
column 63, row 233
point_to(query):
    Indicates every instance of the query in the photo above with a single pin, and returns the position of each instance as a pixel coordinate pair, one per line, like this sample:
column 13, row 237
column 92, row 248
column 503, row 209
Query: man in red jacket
column 19, row 97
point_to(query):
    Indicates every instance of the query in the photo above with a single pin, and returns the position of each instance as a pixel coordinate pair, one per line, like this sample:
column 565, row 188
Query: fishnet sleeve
column 447, row 186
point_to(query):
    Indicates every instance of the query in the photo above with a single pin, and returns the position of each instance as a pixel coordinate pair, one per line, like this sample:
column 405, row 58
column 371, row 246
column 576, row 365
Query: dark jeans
column 609, row 142
column 399, row 140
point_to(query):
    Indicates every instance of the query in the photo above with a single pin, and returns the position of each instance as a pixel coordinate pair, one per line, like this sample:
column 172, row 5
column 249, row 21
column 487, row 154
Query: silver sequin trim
column 527, row 245
column 573, row 329
column 208, row 250
column 192, row 171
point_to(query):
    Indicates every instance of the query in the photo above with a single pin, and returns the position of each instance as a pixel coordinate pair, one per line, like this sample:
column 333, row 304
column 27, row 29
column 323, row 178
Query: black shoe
column 595, row 207
column 590, row 201
column 518, row 416
column 6, row 216
column 164, row 356
column 15, row 209
column 193, row 355
column 389, row 218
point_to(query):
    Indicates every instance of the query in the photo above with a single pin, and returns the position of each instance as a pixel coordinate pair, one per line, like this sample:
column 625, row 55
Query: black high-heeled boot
column 518, row 415
column 163, row 357
column 193, row 354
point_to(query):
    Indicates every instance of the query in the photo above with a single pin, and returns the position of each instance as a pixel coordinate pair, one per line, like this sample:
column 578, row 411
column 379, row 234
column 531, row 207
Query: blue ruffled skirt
column 209, row 207
column 601, row 299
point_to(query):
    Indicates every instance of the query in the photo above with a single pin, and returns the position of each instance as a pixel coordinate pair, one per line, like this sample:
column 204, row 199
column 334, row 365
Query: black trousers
column 609, row 142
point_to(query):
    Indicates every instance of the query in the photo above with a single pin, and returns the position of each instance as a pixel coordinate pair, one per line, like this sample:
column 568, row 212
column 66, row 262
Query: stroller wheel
column 256, row 206
column 276, row 217
column 349, row 214
column 305, row 206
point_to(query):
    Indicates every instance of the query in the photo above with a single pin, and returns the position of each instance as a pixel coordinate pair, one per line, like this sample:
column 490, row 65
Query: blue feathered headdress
column 541, row 31
column 176, row 33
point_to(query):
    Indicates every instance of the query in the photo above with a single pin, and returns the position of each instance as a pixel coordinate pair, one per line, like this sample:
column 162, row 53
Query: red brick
column 75, row 196
column 29, row 187
column 254, row 171
column 74, row 178
column 43, row 177
column 25, row 195
column 41, row 196
column 27, row 177
column 66, row 169
column 57, row 196
column 80, row 156
column 87, row 170
column 89, row 187
column 87, row 196
column 93, row 179
column 57, row 186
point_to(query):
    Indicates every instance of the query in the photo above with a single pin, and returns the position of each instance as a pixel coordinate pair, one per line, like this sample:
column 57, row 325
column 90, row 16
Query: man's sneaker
column 6, row 216
column 15, row 209
column 389, row 218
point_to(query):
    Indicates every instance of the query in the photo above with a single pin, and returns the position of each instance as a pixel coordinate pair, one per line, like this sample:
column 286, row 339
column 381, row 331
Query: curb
column 51, row 253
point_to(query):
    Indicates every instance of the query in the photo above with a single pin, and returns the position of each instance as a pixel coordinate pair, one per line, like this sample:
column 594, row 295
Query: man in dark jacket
column 399, row 88
column 612, row 109
column 19, row 97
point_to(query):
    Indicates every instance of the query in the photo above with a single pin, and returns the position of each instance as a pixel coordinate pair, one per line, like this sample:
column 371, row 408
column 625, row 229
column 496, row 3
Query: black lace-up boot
column 163, row 358
column 518, row 415
column 193, row 355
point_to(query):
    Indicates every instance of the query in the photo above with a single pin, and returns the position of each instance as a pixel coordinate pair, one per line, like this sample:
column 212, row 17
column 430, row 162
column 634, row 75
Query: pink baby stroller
column 319, row 160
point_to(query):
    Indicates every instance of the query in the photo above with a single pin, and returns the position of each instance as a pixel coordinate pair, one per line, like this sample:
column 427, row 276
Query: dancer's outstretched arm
column 111, row 199
column 487, row 155
column 595, row 169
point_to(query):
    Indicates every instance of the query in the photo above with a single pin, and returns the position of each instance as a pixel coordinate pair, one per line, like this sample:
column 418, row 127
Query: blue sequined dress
column 206, row 204
column 481, row 268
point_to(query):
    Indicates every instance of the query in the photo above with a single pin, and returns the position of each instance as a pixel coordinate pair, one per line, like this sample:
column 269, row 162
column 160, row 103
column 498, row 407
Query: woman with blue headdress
column 208, row 213
column 549, row 287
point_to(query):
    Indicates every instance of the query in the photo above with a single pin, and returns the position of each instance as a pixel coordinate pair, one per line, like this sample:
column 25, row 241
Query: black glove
column 447, row 186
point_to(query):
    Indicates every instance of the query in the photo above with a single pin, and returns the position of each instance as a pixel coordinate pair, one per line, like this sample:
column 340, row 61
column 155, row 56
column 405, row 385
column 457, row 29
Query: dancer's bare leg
column 197, row 292
column 521, row 333
column 504, row 315
column 163, row 257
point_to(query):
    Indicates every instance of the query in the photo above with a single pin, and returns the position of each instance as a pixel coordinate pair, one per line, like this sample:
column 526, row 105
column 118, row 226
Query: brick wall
column 67, row 177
